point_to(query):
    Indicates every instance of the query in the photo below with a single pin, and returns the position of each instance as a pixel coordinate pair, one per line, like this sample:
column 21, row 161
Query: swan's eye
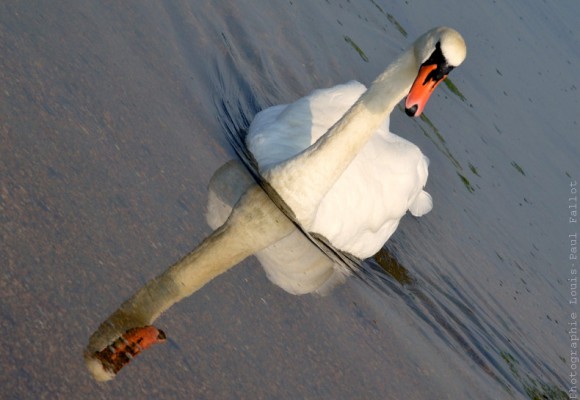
column 439, row 73
column 442, row 68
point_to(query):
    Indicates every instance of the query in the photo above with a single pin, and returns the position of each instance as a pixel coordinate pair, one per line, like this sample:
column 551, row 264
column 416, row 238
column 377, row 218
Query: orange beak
column 421, row 90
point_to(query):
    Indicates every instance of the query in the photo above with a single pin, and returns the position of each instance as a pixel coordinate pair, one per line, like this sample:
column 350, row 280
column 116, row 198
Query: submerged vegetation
column 391, row 19
column 473, row 169
column 466, row 183
column 425, row 119
column 442, row 146
column 518, row 168
column 453, row 89
column 534, row 389
column 355, row 46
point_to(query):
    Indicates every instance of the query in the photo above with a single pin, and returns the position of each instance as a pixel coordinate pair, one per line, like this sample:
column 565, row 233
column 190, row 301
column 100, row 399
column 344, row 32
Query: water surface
column 114, row 118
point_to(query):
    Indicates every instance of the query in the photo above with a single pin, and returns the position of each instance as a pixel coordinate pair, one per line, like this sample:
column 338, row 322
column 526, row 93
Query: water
column 114, row 118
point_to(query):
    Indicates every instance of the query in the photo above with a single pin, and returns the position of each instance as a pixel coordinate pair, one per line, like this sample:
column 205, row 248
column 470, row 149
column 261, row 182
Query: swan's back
column 280, row 132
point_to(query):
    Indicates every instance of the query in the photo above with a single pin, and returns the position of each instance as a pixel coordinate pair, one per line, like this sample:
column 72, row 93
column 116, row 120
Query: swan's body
column 362, row 209
column 332, row 160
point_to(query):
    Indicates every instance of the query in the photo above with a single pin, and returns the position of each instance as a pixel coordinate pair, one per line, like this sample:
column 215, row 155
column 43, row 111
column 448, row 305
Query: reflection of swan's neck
column 254, row 224
column 303, row 181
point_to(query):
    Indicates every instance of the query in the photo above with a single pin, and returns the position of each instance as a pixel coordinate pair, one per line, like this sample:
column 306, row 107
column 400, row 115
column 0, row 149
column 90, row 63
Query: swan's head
column 438, row 52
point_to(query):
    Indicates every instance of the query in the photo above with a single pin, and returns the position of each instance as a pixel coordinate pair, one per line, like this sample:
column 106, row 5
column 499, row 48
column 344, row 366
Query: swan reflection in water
column 338, row 172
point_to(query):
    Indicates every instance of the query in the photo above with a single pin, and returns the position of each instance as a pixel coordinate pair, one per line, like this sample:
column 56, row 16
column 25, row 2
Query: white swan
column 349, row 181
column 333, row 161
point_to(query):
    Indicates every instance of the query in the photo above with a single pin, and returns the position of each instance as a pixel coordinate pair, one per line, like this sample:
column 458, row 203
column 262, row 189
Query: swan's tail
column 105, row 364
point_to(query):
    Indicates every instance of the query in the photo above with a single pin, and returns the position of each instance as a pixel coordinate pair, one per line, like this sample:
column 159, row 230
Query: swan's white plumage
column 384, row 180
column 331, row 158
column 359, row 213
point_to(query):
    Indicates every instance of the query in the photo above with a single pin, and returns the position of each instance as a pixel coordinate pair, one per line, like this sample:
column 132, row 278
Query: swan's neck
column 304, row 180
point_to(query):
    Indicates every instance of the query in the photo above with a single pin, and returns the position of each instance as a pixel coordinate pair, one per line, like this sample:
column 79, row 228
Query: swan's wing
column 363, row 208
column 280, row 132
column 422, row 205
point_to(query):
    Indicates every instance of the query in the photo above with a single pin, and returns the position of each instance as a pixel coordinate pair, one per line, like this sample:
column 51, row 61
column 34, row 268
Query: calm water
column 114, row 118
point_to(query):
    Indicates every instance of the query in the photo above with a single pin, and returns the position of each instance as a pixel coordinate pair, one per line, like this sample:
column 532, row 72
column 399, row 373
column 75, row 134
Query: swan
column 342, row 174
